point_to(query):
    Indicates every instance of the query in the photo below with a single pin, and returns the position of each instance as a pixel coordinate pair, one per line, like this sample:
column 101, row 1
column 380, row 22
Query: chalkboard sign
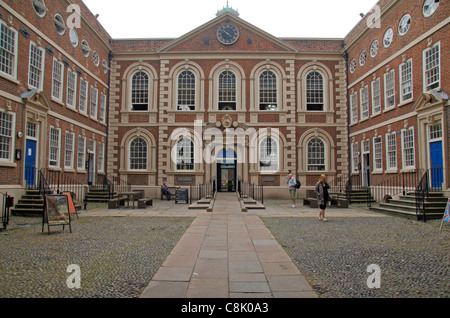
column 181, row 195
column 57, row 212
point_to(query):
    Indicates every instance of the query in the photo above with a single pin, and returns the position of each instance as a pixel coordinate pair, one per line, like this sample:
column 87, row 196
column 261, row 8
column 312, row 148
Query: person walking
column 322, row 195
column 291, row 182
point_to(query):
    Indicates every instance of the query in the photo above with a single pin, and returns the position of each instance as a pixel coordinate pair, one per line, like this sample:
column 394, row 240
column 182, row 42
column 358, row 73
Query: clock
column 227, row 34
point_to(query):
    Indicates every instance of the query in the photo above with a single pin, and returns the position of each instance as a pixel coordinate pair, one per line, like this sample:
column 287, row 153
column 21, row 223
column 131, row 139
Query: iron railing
column 6, row 202
column 421, row 193
column 250, row 190
column 398, row 184
column 202, row 191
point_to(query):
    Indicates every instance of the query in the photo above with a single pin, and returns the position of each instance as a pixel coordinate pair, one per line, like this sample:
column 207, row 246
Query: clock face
column 227, row 34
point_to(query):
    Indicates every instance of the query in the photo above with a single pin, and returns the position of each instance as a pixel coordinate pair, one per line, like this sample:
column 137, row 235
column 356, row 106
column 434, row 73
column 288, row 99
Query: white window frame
column 264, row 154
column 376, row 96
column 81, row 153
column 71, row 91
column 389, row 89
column 84, row 96
column 227, row 88
column 13, row 54
column 54, row 162
column 364, row 102
column 355, row 157
column 391, row 151
column 354, row 108
column 140, row 166
column 58, row 80
column 93, row 103
column 36, row 69
column 427, row 70
column 377, row 154
column 406, row 80
column 189, row 155
column 101, row 158
column 404, row 162
column 265, row 94
column 102, row 109
column 186, row 93
column 69, row 148
column 319, row 156
column 10, row 136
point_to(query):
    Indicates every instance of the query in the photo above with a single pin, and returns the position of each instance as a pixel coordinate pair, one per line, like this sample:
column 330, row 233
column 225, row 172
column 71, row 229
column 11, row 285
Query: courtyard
column 119, row 251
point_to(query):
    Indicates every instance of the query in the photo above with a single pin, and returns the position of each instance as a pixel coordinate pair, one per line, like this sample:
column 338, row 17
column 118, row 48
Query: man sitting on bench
column 165, row 191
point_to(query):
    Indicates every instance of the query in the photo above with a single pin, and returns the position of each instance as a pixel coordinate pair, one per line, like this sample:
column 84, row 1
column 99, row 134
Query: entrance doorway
column 436, row 161
column 226, row 171
column 365, row 163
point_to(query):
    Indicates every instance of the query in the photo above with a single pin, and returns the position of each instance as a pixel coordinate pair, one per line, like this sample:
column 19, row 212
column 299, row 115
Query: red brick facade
column 138, row 145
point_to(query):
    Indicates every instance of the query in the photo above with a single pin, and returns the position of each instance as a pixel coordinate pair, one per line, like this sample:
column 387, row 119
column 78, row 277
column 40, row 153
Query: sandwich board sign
column 57, row 212
column 446, row 217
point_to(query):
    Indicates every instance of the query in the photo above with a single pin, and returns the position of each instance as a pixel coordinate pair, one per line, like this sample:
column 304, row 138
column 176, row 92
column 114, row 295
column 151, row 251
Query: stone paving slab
column 228, row 253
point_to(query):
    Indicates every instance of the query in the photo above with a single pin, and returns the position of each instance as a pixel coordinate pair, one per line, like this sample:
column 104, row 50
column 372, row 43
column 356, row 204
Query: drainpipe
column 110, row 56
column 349, row 155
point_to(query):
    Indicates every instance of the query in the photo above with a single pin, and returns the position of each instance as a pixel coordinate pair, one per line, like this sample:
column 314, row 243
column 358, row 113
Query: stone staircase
column 98, row 195
column 361, row 195
column 405, row 205
column 30, row 205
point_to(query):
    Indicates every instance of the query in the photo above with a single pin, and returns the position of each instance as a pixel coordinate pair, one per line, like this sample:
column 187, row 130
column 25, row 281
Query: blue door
column 437, row 173
column 30, row 162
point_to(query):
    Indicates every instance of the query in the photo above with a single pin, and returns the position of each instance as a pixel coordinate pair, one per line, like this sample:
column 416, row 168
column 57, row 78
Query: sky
column 280, row 18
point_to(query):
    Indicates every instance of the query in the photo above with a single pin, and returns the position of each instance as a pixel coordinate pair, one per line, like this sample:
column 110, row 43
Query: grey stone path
column 228, row 253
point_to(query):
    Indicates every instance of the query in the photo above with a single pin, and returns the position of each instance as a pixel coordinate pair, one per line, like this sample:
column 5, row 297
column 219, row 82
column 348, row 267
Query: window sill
column 377, row 172
column 8, row 164
column 389, row 109
column 391, row 171
column 58, row 101
column 10, row 78
column 406, row 102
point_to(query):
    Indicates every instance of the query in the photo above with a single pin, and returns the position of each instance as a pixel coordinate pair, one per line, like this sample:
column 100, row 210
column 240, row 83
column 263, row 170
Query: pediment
column 36, row 98
column 429, row 100
column 204, row 39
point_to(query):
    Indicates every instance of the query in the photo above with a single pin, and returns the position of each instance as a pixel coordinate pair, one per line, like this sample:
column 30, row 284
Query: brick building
column 225, row 101
column 397, row 89
column 54, row 73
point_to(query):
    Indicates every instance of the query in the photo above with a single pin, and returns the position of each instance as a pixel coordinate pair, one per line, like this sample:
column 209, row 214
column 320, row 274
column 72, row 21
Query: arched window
column 314, row 92
column 268, row 155
column 316, row 155
column 186, row 91
column 268, row 91
column 139, row 91
column 138, row 154
column 185, row 154
column 227, row 91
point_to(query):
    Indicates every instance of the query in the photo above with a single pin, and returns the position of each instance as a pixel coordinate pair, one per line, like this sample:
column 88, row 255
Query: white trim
column 400, row 83
column 60, row 80
column 424, row 66
column 16, row 52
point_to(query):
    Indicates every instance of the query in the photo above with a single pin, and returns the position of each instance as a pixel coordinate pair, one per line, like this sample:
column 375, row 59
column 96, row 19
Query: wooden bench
column 115, row 203
column 144, row 202
column 171, row 191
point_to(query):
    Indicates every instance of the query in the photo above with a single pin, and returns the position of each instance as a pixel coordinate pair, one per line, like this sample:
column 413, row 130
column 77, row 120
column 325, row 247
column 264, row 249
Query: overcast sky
column 281, row 18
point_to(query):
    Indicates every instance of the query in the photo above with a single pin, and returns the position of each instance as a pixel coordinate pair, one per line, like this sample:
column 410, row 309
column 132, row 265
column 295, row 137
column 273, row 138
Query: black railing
column 6, row 202
column 118, row 185
column 398, row 184
column 202, row 191
column 60, row 182
column 421, row 195
column 250, row 190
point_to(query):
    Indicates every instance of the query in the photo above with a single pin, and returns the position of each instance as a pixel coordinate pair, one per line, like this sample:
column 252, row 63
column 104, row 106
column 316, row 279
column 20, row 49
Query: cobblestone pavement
column 413, row 257
column 117, row 256
column 119, row 251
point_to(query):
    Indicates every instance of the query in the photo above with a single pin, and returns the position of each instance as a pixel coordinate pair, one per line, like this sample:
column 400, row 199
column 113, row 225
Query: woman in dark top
column 322, row 196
